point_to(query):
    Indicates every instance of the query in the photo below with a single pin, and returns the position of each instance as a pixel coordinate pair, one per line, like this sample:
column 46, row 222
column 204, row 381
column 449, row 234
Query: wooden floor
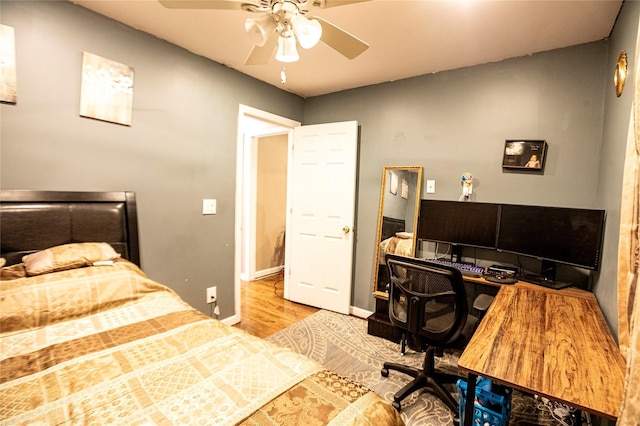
column 265, row 311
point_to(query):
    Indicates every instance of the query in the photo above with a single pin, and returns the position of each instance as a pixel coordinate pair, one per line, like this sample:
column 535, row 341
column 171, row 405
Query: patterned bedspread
column 395, row 245
column 107, row 345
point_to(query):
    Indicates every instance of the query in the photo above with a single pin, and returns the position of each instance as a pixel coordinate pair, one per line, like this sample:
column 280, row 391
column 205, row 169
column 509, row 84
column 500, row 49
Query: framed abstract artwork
column 107, row 90
column 393, row 188
column 8, row 87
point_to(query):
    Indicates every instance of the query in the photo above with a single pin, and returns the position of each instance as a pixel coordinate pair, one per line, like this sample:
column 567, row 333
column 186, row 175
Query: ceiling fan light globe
column 287, row 51
column 307, row 31
column 259, row 29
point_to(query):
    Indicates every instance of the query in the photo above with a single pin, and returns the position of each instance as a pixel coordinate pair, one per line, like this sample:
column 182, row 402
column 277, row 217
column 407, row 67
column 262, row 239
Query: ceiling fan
column 281, row 25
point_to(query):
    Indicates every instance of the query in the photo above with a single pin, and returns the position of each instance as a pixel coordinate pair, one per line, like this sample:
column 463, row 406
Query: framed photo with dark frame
column 524, row 154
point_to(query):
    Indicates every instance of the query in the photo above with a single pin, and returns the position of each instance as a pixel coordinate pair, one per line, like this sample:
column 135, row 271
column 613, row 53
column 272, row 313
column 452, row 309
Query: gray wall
column 180, row 149
column 612, row 156
column 457, row 121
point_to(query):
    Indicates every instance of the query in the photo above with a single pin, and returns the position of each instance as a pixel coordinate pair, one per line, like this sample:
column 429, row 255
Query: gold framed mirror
column 400, row 194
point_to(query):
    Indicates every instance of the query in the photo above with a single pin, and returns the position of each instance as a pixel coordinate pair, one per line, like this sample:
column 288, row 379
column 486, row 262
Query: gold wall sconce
column 620, row 73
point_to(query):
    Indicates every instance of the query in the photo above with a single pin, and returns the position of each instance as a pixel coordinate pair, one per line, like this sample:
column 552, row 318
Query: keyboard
column 544, row 281
column 467, row 269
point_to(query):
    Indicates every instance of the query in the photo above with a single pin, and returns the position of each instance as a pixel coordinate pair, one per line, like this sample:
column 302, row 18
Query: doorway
column 252, row 124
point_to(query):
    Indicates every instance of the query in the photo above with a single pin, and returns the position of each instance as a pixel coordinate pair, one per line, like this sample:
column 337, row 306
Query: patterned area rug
column 341, row 343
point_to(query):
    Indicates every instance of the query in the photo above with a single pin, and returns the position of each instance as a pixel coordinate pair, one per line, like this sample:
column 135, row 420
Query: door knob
column 346, row 229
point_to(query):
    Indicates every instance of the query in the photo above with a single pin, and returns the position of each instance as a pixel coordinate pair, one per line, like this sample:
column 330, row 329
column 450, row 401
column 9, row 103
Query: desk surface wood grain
column 550, row 343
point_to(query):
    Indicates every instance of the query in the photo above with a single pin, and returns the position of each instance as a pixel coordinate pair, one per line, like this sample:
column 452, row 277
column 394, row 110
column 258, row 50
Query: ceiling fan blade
column 260, row 55
column 206, row 4
column 341, row 41
column 324, row 4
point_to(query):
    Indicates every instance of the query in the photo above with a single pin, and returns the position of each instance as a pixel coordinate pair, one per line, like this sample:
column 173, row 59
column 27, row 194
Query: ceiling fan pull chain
column 283, row 75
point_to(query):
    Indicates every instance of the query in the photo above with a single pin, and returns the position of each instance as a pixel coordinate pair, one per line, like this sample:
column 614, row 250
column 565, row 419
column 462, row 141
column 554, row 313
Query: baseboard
column 232, row 320
column 353, row 310
column 266, row 272
column 359, row 312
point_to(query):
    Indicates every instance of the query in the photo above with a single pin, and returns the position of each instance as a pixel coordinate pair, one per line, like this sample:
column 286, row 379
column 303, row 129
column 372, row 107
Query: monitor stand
column 548, row 269
column 456, row 253
column 547, row 277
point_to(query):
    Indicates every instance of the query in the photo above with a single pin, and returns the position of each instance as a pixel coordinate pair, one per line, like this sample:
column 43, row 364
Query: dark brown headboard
column 36, row 220
column 390, row 226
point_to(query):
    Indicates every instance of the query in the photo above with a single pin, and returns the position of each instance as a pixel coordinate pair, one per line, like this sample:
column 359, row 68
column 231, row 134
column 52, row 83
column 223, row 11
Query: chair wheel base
column 384, row 372
column 396, row 405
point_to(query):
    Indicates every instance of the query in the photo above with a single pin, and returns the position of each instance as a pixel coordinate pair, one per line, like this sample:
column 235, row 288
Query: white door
column 320, row 220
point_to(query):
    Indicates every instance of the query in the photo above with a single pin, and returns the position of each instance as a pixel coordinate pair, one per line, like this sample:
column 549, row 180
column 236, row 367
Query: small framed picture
column 405, row 189
column 524, row 154
column 393, row 188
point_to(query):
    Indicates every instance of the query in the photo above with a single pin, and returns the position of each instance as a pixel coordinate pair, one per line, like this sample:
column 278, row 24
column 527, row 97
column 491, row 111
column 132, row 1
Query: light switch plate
column 208, row 206
column 431, row 186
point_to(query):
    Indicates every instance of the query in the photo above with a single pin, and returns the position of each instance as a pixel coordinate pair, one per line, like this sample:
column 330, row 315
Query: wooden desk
column 553, row 343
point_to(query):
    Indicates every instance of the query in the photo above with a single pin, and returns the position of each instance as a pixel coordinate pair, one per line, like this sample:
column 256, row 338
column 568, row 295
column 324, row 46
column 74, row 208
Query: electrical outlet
column 212, row 294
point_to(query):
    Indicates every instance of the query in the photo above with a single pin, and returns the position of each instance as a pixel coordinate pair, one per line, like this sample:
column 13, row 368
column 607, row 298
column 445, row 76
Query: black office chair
column 427, row 301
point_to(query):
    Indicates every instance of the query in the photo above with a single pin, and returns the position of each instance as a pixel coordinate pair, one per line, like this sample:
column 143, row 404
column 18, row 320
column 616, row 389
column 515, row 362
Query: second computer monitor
column 563, row 235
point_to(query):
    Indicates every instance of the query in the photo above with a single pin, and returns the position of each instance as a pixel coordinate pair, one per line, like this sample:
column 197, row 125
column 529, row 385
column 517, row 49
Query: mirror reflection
column 397, row 219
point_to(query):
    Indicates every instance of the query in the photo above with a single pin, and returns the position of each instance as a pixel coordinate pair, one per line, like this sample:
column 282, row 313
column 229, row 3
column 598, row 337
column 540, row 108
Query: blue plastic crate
column 492, row 404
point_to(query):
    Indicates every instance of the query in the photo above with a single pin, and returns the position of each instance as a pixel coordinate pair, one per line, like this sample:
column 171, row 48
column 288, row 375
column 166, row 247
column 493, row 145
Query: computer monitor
column 459, row 223
column 553, row 234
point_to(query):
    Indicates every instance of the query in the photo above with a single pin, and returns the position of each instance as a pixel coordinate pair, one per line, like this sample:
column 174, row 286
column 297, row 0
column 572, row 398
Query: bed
column 394, row 239
column 88, row 338
column 400, row 244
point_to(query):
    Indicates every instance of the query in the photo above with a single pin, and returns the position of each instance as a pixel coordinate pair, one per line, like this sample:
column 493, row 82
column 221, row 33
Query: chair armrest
column 482, row 302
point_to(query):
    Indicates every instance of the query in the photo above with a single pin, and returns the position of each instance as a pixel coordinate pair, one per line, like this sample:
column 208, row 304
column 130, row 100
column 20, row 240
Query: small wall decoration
column 524, row 154
column 405, row 189
column 393, row 187
column 620, row 73
column 107, row 90
column 467, row 186
column 8, row 87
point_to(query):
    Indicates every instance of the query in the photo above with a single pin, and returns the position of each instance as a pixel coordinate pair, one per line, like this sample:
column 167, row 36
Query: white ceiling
column 406, row 38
